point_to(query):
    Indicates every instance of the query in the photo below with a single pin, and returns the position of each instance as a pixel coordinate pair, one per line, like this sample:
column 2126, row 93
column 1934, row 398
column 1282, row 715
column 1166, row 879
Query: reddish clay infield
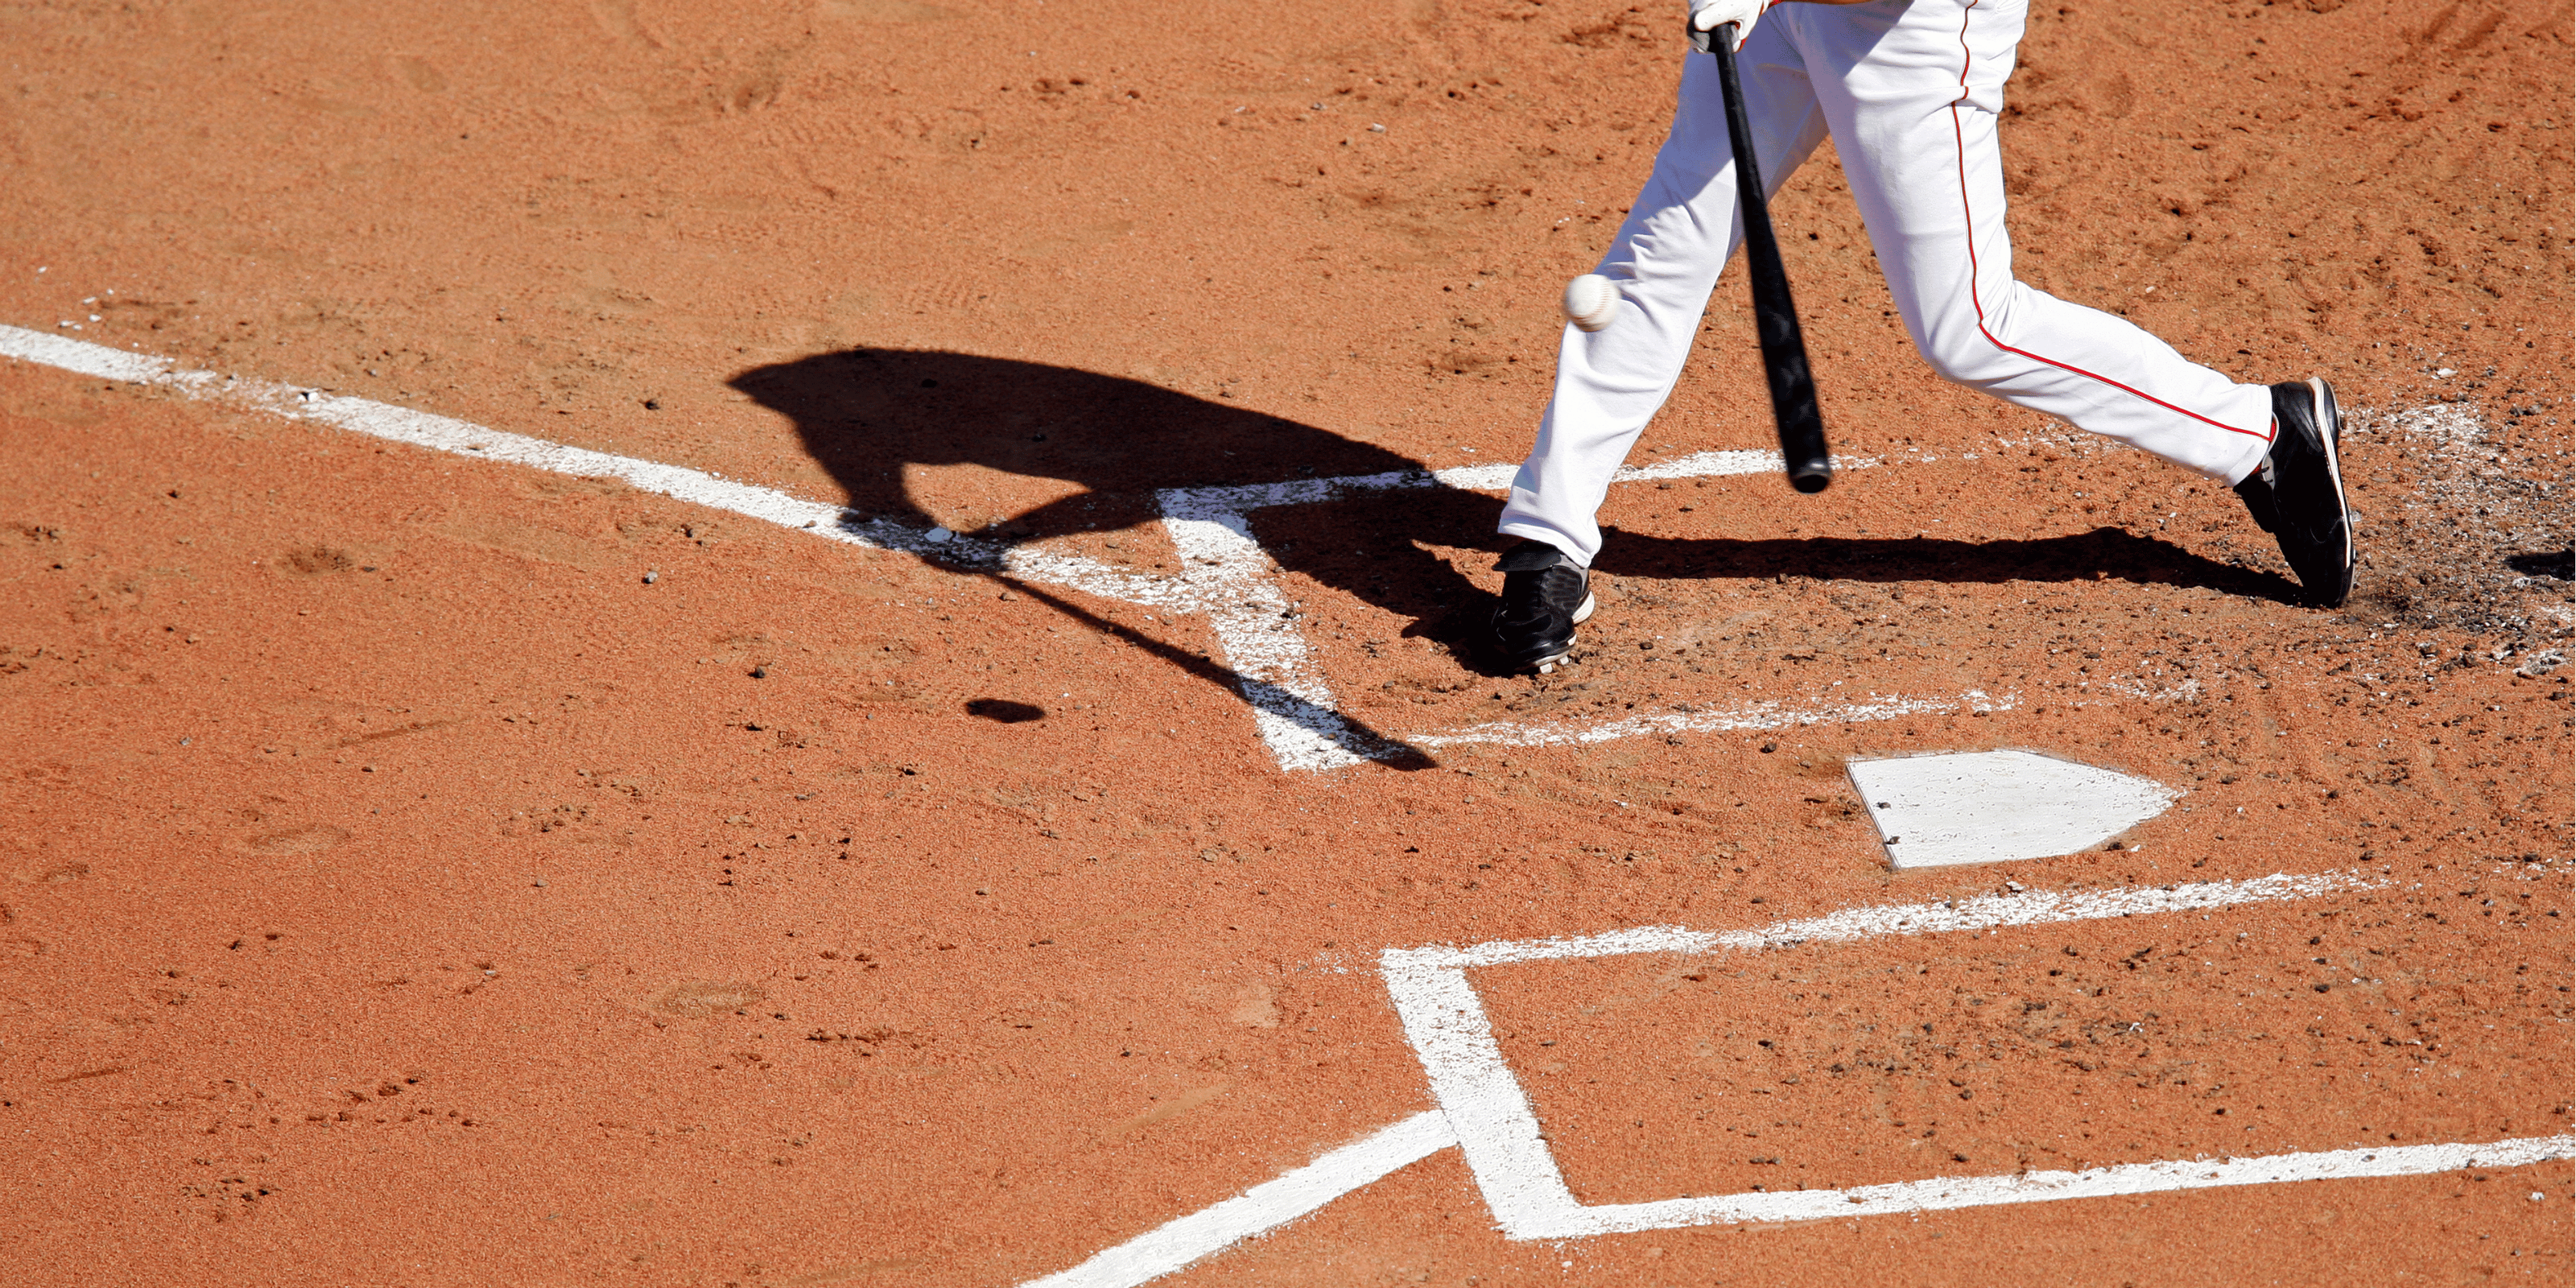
column 424, row 870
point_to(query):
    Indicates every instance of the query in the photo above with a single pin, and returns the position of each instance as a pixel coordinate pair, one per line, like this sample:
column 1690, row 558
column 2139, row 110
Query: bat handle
column 1706, row 41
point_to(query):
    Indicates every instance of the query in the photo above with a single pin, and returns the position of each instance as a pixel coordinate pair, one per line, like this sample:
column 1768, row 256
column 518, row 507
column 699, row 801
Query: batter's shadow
column 1442, row 604
column 876, row 419
column 2103, row 554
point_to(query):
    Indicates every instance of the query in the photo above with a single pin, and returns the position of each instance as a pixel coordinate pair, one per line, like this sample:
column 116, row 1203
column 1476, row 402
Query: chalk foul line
column 1261, row 1209
column 463, row 438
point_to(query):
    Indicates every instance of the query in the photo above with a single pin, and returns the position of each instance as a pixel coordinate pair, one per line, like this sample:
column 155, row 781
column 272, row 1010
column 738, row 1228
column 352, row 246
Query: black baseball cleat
column 2296, row 494
column 1545, row 596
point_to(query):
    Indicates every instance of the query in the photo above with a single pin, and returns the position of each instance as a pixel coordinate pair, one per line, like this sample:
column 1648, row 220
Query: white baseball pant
column 1910, row 91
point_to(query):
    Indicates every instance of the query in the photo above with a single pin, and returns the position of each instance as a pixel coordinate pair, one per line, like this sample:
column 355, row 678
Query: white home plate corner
column 1997, row 806
column 1482, row 1109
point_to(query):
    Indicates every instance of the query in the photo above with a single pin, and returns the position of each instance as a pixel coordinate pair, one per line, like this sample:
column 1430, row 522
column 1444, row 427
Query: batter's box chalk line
column 1483, row 1111
column 1227, row 575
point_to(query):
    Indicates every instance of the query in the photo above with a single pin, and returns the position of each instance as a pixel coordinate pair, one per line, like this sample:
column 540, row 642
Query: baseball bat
column 1775, row 317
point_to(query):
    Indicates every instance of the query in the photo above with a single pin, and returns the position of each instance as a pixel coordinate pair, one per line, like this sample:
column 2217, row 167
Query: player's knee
column 1960, row 355
column 1963, row 344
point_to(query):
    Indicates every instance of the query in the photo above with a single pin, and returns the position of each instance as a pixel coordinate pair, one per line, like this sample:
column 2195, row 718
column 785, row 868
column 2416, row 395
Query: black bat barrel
column 1775, row 316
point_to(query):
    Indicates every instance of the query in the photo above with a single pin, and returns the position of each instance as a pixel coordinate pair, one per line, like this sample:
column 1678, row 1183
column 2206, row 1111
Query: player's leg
column 1610, row 382
column 1913, row 93
column 1913, row 97
column 1663, row 262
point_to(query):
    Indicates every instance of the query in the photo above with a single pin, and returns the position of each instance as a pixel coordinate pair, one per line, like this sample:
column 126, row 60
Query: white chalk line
column 464, row 438
column 1767, row 714
column 1981, row 912
column 2045, row 1187
column 1484, row 1110
column 1464, row 478
column 1758, row 715
column 1499, row 1129
column 1261, row 1209
column 1257, row 628
column 1257, row 636
column 1267, row 1207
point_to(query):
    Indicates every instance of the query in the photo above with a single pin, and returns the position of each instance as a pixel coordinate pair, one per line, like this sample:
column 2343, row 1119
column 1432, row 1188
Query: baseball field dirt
column 952, row 824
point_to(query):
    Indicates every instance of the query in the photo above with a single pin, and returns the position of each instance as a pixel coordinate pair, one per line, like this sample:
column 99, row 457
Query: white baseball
column 1591, row 301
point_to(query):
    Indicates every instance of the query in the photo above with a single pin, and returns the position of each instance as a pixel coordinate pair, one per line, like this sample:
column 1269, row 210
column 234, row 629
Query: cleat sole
column 2330, row 426
column 2329, row 422
column 1582, row 614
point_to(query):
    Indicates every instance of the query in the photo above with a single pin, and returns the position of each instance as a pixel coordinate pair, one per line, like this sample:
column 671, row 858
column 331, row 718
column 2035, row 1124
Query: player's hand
column 1709, row 15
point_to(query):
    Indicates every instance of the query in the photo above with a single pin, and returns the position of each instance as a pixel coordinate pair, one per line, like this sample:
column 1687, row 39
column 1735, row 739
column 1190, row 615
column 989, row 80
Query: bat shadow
column 881, row 420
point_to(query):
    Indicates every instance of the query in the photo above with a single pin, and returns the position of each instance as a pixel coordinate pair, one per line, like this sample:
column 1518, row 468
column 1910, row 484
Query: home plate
column 1992, row 806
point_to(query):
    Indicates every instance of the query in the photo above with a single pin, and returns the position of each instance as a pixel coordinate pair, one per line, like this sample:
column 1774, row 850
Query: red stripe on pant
column 1958, row 134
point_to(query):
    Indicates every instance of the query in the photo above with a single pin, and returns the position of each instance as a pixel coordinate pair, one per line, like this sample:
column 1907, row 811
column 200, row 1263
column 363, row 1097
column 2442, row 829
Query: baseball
column 1591, row 301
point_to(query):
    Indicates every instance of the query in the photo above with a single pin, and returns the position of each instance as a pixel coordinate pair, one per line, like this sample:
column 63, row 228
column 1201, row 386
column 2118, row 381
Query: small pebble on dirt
column 651, row 577
column 760, row 673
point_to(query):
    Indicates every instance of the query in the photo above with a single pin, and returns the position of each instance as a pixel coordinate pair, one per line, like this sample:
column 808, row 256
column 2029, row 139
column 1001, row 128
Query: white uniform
column 1910, row 90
